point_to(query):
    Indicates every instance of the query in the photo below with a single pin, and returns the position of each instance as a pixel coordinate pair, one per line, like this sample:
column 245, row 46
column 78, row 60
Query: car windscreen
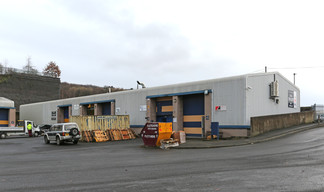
column 70, row 126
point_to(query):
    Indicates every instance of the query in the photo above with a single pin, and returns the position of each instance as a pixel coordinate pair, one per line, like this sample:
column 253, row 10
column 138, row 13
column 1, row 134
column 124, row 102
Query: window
column 69, row 127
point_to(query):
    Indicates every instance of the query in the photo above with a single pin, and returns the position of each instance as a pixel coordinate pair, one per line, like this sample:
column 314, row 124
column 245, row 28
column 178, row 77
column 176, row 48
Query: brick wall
column 28, row 88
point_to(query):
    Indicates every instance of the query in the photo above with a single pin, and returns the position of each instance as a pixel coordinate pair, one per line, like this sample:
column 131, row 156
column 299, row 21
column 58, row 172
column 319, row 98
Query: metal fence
column 11, row 70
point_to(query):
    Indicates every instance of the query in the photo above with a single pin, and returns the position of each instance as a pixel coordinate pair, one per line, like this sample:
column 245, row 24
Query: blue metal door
column 4, row 117
column 106, row 108
column 164, row 109
column 66, row 114
column 193, row 111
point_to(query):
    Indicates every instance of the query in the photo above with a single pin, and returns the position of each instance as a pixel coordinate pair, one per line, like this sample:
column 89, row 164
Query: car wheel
column 46, row 140
column 58, row 141
column 74, row 132
column 36, row 134
column 75, row 141
column 2, row 135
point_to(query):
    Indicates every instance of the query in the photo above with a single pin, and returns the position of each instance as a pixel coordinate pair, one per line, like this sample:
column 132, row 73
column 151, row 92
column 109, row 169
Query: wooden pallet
column 131, row 133
column 87, row 136
column 116, row 134
column 110, row 134
column 125, row 134
column 107, row 132
column 107, row 135
column 100, row 136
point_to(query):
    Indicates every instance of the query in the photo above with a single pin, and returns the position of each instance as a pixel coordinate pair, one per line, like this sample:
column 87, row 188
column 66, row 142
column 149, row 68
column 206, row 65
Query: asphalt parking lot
column 292, row 163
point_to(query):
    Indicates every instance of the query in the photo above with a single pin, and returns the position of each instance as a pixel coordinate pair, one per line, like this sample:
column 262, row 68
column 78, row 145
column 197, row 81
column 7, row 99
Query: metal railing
column 11, row 70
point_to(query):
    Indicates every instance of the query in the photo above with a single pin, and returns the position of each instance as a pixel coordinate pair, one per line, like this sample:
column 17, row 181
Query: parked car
column 44, row 128
column 63, row 132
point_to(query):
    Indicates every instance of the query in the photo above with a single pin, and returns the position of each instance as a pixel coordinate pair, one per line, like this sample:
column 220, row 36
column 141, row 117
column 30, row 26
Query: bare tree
column 28, row 68
column 52, row 70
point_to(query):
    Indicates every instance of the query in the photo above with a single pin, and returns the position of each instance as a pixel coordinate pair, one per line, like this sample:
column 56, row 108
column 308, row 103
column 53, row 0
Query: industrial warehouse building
column 190, row 106
column 7, row 112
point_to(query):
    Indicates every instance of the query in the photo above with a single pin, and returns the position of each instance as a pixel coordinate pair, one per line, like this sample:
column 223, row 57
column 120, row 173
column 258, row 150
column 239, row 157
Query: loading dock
column 63, row 113
column 105, row 107
column 87, row 109
column 7, row 113
column 187, row 110
column 4, row 117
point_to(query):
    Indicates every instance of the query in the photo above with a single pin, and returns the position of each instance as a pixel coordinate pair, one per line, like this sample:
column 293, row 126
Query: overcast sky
column 161, row 42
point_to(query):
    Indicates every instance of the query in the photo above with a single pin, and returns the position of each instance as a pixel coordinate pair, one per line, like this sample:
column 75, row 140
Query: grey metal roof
column 215, row 80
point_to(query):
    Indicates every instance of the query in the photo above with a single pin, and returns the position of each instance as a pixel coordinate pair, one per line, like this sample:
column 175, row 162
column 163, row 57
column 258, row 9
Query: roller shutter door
column 164, row 109
column 4, row 117
column 66, row 114
column 106, row 108
column 193, row 110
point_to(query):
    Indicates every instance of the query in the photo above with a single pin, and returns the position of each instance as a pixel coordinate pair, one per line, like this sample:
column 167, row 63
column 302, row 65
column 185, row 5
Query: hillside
column 69, row 90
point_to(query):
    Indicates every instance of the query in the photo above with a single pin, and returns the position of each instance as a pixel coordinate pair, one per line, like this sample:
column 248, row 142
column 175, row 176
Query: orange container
column 165, row 132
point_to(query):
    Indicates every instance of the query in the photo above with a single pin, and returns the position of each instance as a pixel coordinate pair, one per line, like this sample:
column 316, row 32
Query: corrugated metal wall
column 258, row 98
column 238, row 102
column 230, row 96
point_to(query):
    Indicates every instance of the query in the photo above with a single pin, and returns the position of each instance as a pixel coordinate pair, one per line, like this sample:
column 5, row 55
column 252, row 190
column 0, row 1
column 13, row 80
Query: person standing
column 29, row 127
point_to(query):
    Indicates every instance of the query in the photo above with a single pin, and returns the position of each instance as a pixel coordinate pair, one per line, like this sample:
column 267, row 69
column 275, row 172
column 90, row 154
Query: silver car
column 63, row 132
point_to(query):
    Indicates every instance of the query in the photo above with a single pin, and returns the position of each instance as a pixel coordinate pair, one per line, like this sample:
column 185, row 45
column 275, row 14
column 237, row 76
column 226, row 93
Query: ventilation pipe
column 141, row 84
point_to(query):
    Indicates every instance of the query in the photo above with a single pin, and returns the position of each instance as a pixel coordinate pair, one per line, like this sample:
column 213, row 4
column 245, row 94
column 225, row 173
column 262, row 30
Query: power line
column 308, row 67
column 282, row 68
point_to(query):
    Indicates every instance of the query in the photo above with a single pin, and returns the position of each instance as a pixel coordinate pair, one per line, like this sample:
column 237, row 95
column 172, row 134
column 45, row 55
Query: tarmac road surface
column 291, row 163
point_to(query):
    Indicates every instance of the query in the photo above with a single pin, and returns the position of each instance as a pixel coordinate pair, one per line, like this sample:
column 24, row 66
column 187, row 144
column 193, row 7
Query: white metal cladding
column 241, row 103
column 259, row 102
column 229, row 94
column 4, row 102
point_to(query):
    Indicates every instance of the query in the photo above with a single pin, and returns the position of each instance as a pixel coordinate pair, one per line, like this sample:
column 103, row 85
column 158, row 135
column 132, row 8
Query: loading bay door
column 4, row 117
column 193, row 111
column 164, row 109
column 66, row 114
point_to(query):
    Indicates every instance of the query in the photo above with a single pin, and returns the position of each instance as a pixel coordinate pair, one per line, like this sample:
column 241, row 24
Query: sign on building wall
column 143, row 108
column 53, row 117
column 220, row 108
column 76, row 107
column 292, row 99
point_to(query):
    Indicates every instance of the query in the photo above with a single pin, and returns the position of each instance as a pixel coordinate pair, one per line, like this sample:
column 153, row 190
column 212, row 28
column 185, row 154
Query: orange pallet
column 87, row 136
column 125, row 134
column 117, row 134
column 100, row 136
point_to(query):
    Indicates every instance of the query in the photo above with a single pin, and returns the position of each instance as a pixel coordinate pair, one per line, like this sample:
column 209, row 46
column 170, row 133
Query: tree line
column 51, row 69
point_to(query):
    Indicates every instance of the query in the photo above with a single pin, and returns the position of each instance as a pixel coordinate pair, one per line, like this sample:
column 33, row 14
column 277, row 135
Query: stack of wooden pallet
column 108, row 135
